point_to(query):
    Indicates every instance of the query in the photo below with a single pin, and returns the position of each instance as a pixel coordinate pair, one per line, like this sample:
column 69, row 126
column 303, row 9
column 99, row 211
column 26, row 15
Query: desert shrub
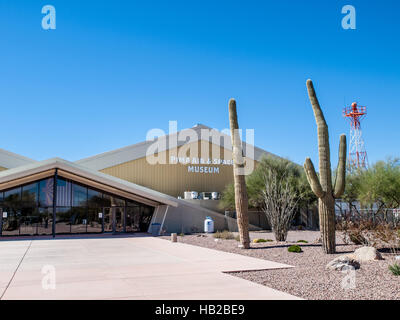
column 226, row 235
column 395, row 269
column 358, row 232
column 181, row 234
column 295, row 248
column 237, row 238
column 375, row 232
column 302, row 241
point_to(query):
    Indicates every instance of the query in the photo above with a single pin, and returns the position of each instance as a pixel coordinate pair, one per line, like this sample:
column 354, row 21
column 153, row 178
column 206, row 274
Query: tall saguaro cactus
column 322, row 187
column 241, row 199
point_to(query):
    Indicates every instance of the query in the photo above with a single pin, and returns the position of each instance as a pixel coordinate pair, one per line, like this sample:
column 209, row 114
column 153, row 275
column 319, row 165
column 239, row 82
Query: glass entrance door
column 108, row 220
column 114, row 219
column 119, row 219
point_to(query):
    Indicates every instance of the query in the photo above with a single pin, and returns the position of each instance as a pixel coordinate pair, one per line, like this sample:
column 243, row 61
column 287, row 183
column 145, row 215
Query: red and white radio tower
column 357, row 154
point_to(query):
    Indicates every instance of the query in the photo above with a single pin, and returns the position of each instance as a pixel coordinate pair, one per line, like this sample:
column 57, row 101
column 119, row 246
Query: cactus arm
column 313, row 178
column 323, row 140
column 340, row 180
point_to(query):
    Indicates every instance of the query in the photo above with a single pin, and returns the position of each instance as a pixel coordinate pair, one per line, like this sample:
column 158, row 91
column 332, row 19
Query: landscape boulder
column 343, row 263
column 364, row 254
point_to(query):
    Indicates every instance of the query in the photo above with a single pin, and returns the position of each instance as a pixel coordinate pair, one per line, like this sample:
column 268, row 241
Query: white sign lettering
column 198, row 169
column 187, row 160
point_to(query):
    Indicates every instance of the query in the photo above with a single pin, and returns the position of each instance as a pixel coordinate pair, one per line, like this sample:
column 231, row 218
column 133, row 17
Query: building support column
column 54, row 203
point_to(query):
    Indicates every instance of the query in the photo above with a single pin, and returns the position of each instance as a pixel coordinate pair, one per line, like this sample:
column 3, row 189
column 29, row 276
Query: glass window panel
column 131, row 203
column 45, row 221
column 113, row 201
column 79, row 195
column 28, row 221
column 119, row 218
column 108, row 220
column 78, row 219
column 94, row 222
column 63, row 220
column 63, row 192
column 30, row 195
column 12, row 198
column 95, row 198
column 10, row 225
column 46, row 192
column 145, row 218
column 133, row 219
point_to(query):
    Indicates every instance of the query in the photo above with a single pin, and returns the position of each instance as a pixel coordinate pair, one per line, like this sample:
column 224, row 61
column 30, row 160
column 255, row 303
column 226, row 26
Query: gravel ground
column 309, row 279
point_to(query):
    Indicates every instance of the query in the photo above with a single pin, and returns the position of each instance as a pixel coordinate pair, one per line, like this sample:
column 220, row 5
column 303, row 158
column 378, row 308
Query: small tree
column 280, row 201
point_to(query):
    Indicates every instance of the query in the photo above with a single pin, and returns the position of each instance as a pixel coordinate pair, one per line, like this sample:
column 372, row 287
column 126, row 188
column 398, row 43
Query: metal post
column 54, row 203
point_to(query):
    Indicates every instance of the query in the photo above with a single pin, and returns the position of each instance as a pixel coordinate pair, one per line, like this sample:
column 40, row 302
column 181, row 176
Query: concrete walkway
column 138, row 267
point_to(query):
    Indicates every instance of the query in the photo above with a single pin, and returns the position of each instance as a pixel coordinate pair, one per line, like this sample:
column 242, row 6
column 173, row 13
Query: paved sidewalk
column 138, row 267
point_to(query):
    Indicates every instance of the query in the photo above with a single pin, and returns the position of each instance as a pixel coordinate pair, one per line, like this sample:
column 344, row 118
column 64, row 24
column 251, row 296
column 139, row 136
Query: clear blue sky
column 112, row 70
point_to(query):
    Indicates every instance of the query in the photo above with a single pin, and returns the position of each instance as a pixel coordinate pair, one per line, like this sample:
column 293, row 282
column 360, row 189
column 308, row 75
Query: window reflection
column 63, row 192
column 95, row 199
column 79, row 195
column 30, row 195
column 110, row 201
column 94, row 221
column 78, row 219
column 12, row 198
column 63, row 220
column 45, row 221
column 28, row 210
column 46, row 192
column 10, row 225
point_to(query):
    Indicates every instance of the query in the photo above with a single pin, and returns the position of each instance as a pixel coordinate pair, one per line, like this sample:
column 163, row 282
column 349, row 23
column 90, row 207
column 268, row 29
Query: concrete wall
column 208, row 204
column 189, row 218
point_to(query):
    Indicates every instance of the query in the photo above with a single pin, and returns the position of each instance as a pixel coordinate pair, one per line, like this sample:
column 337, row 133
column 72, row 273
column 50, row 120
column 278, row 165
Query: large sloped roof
column 137, row 151
column 34, row 171
column 12, row 160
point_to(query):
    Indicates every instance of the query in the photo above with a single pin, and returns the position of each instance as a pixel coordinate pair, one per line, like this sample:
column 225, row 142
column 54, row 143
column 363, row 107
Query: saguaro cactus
column 241, row 199
column 322, row 187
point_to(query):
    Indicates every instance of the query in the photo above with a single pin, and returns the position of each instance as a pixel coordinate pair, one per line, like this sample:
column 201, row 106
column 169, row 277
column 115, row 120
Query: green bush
column 181, row 234
column 395, row 269
column 302, row 241
column 295, row 248
column 226, row 235
column 261, row 240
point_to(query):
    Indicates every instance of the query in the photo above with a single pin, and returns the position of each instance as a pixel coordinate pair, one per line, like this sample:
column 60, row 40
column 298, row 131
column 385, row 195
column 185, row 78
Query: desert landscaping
column 310, row 278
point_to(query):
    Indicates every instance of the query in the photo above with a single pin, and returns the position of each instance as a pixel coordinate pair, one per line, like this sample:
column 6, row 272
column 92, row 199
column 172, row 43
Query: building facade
column 132, row 189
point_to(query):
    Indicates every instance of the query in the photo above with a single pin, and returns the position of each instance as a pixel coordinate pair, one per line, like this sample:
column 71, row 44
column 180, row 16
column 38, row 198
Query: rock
column 397, row 258
column 343, row 262
column 364, row 254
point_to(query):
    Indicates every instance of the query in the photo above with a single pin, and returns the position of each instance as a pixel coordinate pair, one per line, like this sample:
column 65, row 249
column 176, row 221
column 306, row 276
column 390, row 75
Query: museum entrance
column 114, row 219
column 34, row 209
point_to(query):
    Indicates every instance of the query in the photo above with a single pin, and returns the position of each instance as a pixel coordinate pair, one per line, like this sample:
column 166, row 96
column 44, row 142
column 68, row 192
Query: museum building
column 126, row 190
